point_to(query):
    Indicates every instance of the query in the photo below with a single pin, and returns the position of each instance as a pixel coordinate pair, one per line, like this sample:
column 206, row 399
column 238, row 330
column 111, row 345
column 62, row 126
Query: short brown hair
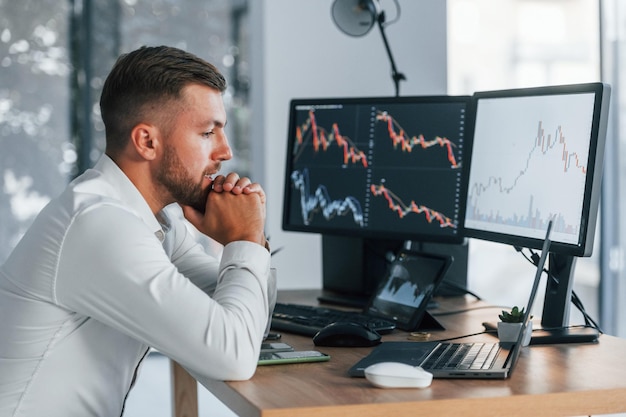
column 146, row 80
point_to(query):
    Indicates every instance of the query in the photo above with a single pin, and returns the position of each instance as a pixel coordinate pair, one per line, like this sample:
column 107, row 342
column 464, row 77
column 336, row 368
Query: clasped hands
column 235, row 210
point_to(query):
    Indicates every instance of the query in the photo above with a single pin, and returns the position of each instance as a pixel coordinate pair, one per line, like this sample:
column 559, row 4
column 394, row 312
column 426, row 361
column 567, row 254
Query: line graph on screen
column 526, row 196
column 320, row 201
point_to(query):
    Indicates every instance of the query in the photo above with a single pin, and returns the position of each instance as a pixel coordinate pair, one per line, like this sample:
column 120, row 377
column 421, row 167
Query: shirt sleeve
column 190, row 258
column 115, row 270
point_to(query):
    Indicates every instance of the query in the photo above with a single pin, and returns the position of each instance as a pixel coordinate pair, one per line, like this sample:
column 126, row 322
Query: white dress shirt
column 97, row 280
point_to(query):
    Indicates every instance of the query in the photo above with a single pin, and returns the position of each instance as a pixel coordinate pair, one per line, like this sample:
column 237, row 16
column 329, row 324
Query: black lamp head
column 355, row 17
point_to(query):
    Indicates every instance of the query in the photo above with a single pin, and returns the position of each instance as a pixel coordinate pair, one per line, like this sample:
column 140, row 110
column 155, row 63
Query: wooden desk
column 549, row 380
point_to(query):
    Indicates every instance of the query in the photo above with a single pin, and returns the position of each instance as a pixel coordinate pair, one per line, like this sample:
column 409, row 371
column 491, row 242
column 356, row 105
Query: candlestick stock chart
column 402, row 141
column 381, row 166
column 316, row 139
column 402, row 209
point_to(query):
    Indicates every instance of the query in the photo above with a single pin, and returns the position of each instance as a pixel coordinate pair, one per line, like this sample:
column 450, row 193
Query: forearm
column 142, row 294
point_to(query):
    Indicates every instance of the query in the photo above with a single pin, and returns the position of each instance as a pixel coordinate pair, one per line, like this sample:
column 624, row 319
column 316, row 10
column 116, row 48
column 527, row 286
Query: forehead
column 199, row 94
column 204, row 102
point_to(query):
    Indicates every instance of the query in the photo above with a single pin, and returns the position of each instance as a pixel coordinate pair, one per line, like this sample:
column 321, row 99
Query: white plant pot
column 507, row 332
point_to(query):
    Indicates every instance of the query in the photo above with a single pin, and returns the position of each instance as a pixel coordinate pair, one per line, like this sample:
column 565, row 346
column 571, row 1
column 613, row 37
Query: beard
column 177, row 181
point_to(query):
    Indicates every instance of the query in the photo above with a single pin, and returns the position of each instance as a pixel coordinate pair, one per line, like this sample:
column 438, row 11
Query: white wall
column 298, row 52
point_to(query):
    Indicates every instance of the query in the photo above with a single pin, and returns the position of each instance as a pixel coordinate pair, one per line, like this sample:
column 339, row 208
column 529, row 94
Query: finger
column 230, row 181
column 255, row 188
column 218, row 183
column 241, row 184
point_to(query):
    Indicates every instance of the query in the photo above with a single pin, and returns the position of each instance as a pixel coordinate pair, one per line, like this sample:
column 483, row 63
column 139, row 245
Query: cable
column 396, row 17
column 450, row 313
column 462, row 290
column 575, row 300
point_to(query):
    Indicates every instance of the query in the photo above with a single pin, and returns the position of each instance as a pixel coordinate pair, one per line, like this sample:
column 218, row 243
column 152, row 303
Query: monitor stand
column 564, row 335
column 555, row 326
column 352, row 268
column 343, row 299
column 542, row 336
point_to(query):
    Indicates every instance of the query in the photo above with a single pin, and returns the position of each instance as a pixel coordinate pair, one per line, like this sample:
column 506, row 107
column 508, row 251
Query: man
column 104, row 273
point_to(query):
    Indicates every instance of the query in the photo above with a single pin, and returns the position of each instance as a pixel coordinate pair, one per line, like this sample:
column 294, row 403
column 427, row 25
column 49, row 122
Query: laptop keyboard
column 465, row 356
column 308, row 320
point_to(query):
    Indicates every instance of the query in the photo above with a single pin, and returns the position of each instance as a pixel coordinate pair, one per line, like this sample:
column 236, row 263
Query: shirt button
column 160, row 235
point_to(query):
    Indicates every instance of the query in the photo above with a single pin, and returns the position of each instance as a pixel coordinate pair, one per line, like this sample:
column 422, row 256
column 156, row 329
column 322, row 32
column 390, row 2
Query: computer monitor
column 536, row 156
column 376, row 170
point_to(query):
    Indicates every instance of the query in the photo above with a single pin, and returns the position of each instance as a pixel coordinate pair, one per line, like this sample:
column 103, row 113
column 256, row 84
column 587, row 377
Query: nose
column 223, row 152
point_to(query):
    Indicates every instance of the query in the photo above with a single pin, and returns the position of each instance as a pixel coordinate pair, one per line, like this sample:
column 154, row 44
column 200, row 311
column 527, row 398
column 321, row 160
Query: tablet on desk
column 408, row 287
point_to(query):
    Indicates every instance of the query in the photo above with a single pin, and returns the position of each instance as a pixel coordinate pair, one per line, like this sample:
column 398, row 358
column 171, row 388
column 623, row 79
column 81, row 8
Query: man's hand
column 237, row 185
column 235, row 210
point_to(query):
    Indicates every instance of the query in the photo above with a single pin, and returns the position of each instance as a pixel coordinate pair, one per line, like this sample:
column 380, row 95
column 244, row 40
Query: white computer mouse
column 397, row 375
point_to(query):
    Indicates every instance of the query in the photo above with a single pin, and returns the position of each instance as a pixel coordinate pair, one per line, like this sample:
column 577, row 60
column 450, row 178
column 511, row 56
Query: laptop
column 477, row 360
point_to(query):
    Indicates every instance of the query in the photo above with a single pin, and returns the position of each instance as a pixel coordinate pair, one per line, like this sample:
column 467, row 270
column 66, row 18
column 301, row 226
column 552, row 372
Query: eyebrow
column 215, row 122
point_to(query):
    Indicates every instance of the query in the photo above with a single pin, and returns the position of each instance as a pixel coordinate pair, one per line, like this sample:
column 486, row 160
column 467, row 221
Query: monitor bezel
column 370, row 234
column 592, row 191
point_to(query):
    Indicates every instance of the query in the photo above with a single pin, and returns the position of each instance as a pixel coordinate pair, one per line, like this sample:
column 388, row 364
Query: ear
column 145, row 139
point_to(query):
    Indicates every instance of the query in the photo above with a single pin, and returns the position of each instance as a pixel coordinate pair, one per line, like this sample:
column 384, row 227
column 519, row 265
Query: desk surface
column 549, row 380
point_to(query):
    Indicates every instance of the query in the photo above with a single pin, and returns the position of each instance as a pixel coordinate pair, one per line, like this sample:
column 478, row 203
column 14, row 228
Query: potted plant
column 510, row 324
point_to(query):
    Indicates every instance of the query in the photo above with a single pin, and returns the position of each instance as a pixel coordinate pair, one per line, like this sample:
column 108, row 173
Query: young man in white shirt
column 104, row 273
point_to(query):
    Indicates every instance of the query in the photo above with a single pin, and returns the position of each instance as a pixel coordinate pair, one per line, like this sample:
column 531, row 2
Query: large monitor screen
column 537, row 156
column 376, row 167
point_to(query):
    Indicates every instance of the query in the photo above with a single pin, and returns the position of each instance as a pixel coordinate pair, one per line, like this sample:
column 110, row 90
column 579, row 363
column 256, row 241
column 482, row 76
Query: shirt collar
column 130, row 195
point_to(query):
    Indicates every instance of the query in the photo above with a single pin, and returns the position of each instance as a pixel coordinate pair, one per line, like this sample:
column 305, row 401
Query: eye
column 207, row 134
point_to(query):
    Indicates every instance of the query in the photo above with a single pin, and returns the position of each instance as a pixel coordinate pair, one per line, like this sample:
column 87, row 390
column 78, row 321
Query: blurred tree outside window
column 36, row 155
column 54, row 57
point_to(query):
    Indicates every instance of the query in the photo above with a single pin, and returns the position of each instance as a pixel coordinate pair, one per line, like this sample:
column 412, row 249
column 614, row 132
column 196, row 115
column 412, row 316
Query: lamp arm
column 395, row 75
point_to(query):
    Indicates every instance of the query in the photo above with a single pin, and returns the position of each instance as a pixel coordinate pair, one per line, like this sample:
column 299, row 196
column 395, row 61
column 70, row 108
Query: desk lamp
column 357, row 17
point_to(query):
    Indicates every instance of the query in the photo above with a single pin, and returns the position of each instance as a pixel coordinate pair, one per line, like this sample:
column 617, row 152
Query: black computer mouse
column 346, row 334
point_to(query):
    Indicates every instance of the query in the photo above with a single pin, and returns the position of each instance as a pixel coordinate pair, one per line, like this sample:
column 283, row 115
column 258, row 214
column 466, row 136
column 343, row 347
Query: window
column 36, row 155
column 54, row 59
column 522, row 43
column 613, row 288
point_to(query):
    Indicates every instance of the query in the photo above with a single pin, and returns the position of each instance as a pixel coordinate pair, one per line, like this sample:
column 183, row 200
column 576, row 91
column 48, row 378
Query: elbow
column 243, row 374
column 241, row 370
column 226, row 370
column 238, row 361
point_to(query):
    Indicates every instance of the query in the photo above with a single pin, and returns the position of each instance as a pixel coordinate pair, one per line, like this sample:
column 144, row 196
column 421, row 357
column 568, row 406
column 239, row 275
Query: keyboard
column 308, row 320
column 462, row 356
